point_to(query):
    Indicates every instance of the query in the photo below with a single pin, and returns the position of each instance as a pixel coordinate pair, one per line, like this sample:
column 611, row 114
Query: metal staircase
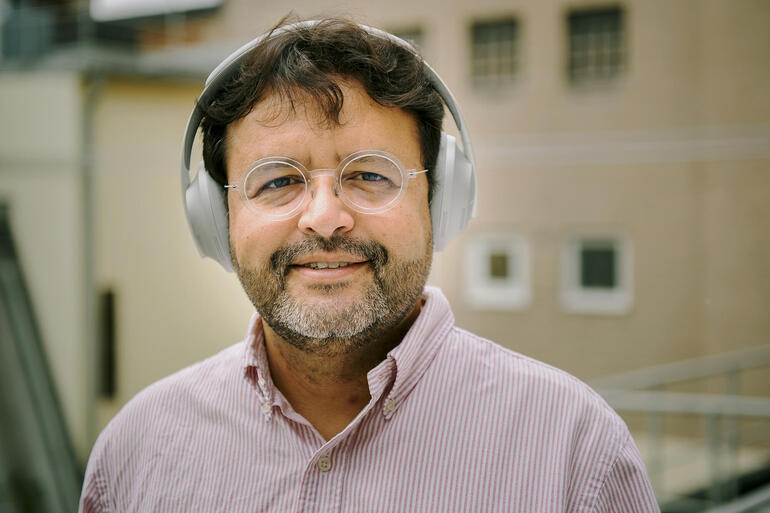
column 38, row 469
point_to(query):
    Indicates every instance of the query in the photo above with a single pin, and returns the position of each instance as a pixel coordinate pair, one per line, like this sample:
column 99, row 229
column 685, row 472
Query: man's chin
column 322, row 293
column 337, row 313
column 326, row 327
column 339, row 308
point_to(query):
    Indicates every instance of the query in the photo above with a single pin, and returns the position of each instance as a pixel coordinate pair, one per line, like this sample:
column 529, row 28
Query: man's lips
column 306, row 255
column 327, row 261
column 327, row 265
column 328, row 270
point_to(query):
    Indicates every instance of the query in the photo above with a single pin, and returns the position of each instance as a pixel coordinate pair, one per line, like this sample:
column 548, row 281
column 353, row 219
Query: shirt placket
column 322, row 481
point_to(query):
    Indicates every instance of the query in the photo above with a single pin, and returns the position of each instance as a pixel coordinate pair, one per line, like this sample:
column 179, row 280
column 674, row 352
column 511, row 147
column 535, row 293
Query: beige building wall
column 674, row 155
column 172, row 307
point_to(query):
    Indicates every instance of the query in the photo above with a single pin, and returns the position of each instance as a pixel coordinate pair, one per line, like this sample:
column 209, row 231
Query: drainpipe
column 92, row 92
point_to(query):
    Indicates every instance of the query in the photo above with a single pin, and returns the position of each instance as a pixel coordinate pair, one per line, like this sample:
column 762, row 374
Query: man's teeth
column 326, row 265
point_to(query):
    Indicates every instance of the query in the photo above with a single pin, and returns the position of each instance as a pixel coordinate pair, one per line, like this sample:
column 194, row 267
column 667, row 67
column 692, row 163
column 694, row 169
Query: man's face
column 388, row 255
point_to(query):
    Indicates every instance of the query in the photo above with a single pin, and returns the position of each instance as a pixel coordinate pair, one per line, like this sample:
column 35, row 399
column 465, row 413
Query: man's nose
column 325, row 213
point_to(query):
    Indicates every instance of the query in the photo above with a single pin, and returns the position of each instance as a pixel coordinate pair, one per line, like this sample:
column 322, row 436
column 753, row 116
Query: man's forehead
column 280, row 121
column 276, row 109
column 324, row 107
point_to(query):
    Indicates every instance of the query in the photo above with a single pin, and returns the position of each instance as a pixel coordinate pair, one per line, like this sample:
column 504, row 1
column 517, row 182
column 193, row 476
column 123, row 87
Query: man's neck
column 329, row 390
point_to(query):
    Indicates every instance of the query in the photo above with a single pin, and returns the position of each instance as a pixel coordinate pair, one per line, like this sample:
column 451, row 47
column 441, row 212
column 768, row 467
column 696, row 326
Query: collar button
column 324, row 464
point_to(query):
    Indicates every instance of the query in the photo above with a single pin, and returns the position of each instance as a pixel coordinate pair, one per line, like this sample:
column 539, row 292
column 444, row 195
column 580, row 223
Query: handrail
column 698, row 404
column 687, row 370
column 630, row 391
column 749, row 502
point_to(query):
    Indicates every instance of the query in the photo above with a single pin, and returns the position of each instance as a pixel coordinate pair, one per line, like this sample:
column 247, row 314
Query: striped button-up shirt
column 455, row 423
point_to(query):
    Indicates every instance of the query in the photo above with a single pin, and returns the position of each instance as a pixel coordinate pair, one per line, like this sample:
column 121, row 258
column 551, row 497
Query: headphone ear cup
column 207, row 215
column 454, row 198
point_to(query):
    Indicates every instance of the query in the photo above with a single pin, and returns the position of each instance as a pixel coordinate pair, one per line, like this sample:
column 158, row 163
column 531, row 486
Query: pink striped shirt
column 455, row 423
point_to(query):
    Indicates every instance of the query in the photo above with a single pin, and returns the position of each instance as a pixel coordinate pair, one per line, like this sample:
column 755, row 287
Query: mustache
column 369, row 250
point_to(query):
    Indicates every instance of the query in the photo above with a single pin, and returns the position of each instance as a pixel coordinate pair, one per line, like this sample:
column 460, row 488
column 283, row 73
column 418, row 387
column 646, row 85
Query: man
column 353, row 390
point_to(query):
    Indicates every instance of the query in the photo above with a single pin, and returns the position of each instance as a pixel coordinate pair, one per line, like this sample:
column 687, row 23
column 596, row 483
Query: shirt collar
column 397, row 374
column 415, row 353
column 256, row 369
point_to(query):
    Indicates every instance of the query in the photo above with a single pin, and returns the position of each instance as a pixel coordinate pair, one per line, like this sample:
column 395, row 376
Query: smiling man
column 336, row 288
column 327, row 186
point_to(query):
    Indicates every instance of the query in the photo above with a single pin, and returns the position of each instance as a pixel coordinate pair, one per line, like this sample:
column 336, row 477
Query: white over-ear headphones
column 454, row 199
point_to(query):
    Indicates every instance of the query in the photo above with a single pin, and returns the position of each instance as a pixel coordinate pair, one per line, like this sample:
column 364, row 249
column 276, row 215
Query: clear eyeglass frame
column 309, row 174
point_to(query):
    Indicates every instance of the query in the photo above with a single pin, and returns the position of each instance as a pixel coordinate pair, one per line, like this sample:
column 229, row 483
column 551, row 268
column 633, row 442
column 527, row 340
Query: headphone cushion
column 453, row 200
column 206, row 213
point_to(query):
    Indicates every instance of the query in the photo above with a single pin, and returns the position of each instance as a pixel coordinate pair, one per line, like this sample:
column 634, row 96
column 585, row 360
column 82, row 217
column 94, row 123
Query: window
column 497, row 272
column 411, row 35
column 596, row 44
column 493, row 51
column 597, row 274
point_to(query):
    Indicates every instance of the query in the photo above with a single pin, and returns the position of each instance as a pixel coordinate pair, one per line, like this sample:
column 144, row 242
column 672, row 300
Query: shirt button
column 390, row 405
column 324, row 464
column 266, row 408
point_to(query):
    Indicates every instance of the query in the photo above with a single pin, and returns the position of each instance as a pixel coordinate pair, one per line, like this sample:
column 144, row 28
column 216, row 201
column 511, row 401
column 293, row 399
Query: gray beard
column 328, row 327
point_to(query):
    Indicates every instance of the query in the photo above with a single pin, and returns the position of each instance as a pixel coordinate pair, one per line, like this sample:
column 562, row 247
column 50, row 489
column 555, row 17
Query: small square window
column 493, row 51
column 497, row 273
column 596, row 44
column 597, row 274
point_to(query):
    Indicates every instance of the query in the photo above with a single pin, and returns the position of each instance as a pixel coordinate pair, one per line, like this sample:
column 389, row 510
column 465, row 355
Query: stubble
column 327, row 326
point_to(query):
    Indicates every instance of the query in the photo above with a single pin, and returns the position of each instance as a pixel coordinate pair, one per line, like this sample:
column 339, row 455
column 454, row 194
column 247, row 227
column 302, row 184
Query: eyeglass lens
column 278, row 187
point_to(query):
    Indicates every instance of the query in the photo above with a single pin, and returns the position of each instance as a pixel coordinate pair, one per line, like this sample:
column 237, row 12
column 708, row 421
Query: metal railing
column 723, row 417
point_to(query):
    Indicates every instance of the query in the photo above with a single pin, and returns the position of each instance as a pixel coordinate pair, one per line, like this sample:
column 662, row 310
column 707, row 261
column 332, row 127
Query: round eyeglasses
column 369, row 181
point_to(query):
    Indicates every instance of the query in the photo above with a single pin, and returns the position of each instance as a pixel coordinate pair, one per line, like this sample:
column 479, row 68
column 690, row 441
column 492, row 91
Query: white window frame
column 584, row 300
column 486, row 293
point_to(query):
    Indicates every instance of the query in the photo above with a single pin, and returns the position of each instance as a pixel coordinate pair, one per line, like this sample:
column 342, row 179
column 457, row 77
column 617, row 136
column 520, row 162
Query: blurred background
column 623, row 152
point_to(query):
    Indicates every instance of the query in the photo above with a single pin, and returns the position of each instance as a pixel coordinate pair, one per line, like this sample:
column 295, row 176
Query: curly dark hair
column 309, row 61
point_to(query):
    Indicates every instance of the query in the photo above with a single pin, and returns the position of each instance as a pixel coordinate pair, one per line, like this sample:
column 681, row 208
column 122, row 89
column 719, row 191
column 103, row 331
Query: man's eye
column 365, row 176
column 371, row 177
column 278, row 183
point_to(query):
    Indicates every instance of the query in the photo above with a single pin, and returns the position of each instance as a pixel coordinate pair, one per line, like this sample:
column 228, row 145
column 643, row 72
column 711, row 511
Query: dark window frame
column 596, row 44
column 495, row 50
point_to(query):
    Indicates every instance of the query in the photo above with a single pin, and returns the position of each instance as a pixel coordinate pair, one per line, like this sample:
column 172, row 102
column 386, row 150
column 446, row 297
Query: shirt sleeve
column 626, row 488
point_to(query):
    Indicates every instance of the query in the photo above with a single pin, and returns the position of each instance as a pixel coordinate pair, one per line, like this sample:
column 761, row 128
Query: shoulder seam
column 619, row 451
